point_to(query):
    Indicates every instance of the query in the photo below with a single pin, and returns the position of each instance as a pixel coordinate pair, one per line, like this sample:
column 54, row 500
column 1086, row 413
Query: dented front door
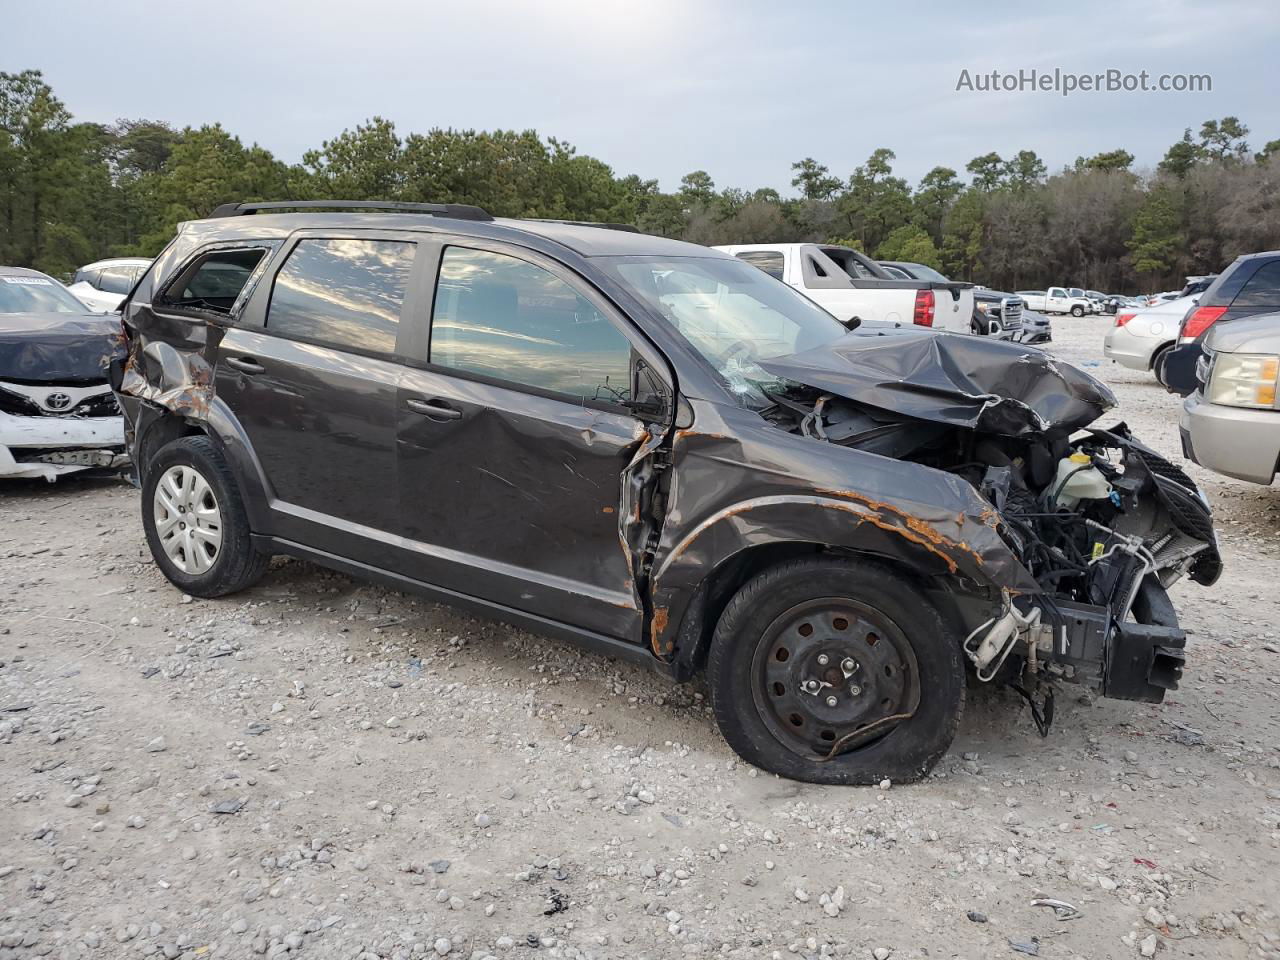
column 516, row 500
column 513, row 440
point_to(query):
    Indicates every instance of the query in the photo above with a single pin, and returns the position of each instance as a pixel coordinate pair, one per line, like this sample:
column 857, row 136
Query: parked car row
column 1217, row 344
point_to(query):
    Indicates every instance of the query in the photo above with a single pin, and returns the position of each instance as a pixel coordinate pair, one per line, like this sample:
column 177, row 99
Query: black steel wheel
column 836, row 671
column 830, row 668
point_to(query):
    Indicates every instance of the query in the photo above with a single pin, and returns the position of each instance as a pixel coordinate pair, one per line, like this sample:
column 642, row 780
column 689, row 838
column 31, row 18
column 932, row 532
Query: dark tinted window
column 770, row 261
column 347, row 293
column 116, row 280
column 509, row 319
column 852, row 264
column 213, row 282
column 1262, row 289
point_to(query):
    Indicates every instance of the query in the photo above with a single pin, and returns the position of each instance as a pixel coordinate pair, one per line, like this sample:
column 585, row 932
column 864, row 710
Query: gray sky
column 661, row 87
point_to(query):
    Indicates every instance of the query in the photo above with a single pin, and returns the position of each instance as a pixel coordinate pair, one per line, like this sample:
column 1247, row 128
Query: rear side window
column 505, row 318
column 1262, row 289
column 214, row 282
column 116, row 280
column 342, row 293
column 87, row 276
column 770, row 261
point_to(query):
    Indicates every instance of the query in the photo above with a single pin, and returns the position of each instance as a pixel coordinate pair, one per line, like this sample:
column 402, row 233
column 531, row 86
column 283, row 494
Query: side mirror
column 853, row 323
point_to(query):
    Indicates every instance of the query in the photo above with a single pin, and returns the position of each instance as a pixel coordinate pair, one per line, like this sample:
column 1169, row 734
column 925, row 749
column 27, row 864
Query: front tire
column 811, row 653
column 195, row 521
column 1077, row 311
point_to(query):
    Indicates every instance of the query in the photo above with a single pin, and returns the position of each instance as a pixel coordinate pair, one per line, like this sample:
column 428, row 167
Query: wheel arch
column 692, row 636
column 158, row 426
column 695, row 579
column 1160, row 350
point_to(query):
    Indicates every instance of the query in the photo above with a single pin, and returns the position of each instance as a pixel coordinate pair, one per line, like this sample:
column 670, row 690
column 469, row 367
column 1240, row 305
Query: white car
column 1139, row 336
column 1055, row 300
column 57, row 412
column 102, row 285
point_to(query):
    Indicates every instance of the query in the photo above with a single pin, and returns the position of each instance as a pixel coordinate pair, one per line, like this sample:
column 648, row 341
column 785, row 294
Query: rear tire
column 195, row 521
column 812, row 651
column 1155, row 357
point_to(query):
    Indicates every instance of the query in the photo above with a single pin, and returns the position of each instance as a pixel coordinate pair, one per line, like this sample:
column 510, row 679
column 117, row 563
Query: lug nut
column 848, row 665
column 855, row 689
column 831, row 701
column 823, row 659
column 810, row 686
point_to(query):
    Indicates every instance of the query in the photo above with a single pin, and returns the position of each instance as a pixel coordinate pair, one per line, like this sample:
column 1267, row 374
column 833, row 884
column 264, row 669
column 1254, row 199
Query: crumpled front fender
column 736, row 490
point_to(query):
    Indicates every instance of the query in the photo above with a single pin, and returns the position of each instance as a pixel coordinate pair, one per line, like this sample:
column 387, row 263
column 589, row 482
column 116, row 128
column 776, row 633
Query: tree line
column 72, row 192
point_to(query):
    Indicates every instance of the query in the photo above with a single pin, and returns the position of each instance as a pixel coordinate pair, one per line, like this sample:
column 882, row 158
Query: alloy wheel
column 188, row 519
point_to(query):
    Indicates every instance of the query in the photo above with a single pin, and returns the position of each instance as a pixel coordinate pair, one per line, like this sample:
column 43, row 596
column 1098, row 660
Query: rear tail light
column 1123, row 318
column 924, row 308
column 1200, row 320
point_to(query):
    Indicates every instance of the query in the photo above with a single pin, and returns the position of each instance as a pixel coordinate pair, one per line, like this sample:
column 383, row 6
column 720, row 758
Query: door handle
column 245, row 365
column 433, row 409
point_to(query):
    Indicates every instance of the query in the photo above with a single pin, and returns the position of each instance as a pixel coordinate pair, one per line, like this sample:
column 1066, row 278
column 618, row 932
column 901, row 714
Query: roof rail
column 629, row 228
column 457, row 211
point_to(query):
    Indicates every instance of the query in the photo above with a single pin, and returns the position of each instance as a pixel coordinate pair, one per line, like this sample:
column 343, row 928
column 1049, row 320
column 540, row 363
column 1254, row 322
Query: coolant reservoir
column 1077, row 479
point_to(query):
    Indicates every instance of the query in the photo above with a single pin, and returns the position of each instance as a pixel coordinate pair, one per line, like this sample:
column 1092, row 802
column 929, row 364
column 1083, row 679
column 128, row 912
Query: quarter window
column 770, row 261
column 342, row 293
column 116, row 280
column 508, row 319
column 213, row 283
column 1262, row 289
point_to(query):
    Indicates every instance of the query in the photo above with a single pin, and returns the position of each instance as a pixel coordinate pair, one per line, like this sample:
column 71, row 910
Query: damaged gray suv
column 660, row 452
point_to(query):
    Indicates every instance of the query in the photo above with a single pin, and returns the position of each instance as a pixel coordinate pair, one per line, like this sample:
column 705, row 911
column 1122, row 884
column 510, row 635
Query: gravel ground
column 326, row 768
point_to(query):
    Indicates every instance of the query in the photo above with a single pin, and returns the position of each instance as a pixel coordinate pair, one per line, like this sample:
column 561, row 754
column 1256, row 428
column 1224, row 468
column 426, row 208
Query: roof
column 22, row 272
column 109, row 261
column 587, row 241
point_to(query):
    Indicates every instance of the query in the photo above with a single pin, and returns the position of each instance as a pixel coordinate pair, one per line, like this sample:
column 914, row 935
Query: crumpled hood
column 57, row 347
column 988, row 385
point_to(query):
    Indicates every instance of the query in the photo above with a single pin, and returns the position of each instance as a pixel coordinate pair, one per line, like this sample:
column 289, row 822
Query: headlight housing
column 983, row 306
column 1244, row 380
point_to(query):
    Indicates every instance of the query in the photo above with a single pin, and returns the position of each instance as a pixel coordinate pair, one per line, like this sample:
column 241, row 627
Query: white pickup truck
column 848, row 285
column 1056, row 300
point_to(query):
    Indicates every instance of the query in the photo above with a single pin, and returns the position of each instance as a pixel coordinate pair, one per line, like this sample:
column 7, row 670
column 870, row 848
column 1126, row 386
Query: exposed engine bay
column 1103, row 524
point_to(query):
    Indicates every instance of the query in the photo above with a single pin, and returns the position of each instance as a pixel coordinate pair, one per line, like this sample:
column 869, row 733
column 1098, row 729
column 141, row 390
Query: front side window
column 501, row 317
column 731, row 313
column 1262, row 289
column 342, row 293
column 213, row 283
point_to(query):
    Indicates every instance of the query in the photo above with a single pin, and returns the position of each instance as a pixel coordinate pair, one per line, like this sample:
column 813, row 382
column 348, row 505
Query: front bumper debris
column 49, row 447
